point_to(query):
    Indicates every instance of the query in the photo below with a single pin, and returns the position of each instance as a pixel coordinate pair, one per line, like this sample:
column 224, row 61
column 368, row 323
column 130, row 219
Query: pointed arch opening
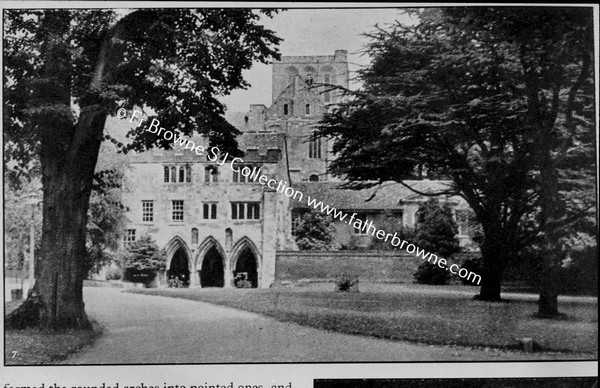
column 245, row 264
column 211, row 271
column 178, row 261
column 179, row 270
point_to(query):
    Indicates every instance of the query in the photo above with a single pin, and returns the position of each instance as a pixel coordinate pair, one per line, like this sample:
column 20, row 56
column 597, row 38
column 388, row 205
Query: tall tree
column 451, row 97
column 66, row 71
column 554, row 48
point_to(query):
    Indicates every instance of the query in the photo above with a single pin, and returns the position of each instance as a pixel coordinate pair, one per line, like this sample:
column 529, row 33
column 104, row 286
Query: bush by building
column 114, row 273
column 142, row 260
column 315, row 232
column 436, row 233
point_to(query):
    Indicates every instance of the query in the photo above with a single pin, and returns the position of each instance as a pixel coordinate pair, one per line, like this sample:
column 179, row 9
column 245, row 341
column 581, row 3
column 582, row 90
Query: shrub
column 142, row 260
column 315, row 232
column 347, row 283
column 436, row 233
column 428, row 273
column 114, row 273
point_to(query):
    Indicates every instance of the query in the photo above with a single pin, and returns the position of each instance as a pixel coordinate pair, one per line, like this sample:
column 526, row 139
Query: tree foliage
column 106, row 213
column 495, row 99
column 21, row 211
column 142, row 260
column 174, row 62
column 314, row 232
column 436, row 229
column 67, row 70
column 436, row 233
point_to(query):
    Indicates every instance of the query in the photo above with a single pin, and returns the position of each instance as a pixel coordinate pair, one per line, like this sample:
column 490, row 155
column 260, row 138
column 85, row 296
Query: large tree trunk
column 551, row 209
column 548, row 301
column 67, row 182
column 63, row 254
column 491, row 271
column 68, row 158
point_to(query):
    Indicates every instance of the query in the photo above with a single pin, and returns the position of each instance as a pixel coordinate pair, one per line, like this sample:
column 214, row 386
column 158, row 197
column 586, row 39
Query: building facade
column 220, row 228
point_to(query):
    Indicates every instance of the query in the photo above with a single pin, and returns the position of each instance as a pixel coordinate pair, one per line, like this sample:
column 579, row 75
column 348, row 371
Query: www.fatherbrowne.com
column 255, row 175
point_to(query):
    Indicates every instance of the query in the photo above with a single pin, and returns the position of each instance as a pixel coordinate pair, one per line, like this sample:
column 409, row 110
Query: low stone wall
column 325, row 266
column 374, row 266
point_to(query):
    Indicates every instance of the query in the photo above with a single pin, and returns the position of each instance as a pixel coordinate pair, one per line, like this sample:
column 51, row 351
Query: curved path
column 142, row 329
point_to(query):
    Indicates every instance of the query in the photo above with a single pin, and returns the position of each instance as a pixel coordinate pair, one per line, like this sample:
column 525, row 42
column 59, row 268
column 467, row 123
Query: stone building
column 219, row 226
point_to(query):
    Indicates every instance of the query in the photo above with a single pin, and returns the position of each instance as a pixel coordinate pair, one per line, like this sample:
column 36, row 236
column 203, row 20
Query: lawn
column 32, row 347
column 433, row 316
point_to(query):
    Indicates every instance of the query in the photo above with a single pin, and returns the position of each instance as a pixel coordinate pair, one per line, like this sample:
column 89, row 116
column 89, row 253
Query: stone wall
column 370, row 266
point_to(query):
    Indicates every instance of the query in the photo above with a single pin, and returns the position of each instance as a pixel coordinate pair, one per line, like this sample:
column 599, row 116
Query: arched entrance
column 245, row 274
column 212, row 273
column 179, row 268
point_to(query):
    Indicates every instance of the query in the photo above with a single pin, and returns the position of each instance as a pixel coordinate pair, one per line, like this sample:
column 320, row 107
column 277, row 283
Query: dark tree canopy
column 498, row 100
column 67, row 70
column 174, row 62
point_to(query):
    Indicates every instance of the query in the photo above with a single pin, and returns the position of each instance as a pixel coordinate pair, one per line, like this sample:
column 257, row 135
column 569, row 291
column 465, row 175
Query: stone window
column 242, row 173
column 245, row 210
column 129, row 236
column 313, row 178
column 309, row 74
column 173, row 174
column 228, row 238
column 188, row 174
column 307, row 109
column 147, row 211
column 314, row 148
column 179, row 174
column 296, row 220
column 286, row 110
column 194, row 236
column 209, row 211
column 211, row 174
column 177, row 206
column 291, row 72
column 253, row 212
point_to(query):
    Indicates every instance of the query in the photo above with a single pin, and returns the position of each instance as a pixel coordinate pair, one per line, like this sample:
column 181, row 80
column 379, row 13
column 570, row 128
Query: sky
column 313, row 32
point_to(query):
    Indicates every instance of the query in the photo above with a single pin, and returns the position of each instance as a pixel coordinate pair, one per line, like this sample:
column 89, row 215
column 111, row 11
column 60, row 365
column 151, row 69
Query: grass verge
column 33, row 347
column 431, row 317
